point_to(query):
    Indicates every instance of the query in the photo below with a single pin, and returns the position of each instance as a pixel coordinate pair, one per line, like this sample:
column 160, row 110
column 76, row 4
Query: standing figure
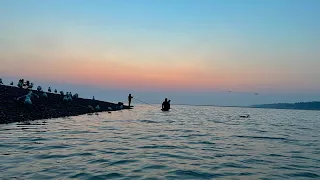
column 129, row 99
column 27, row 97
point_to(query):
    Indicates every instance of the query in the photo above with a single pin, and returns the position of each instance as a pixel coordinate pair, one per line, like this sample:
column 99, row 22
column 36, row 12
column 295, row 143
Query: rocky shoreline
column 45, row 107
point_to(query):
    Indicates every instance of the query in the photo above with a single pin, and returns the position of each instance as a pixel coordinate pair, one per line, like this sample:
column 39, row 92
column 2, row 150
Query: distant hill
column 314, row 105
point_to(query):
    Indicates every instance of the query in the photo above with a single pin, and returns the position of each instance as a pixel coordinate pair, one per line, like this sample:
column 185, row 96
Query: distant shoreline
column 314, row 105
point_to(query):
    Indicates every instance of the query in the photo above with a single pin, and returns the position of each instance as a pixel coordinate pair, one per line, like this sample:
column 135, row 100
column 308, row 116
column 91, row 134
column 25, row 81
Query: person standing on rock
column 129, row 99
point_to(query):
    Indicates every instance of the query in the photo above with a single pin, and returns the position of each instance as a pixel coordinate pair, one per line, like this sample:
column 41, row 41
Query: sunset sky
column 189, row 46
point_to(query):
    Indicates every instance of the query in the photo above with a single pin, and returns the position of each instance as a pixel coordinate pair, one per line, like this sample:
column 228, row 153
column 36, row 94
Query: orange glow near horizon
column 134, row 71
column 104, row 73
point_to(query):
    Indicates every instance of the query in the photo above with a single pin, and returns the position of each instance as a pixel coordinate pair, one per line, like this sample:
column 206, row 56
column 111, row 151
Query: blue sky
column 191, row 46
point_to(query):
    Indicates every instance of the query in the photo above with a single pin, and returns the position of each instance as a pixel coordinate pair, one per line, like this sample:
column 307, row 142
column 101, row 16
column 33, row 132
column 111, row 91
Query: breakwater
column 52, row 105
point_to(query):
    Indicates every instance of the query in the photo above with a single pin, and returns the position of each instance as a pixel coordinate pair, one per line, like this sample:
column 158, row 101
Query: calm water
column 191, row 142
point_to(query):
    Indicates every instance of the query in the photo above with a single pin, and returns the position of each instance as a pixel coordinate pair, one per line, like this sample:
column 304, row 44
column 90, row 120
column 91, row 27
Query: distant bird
column 55, row 91
column 256, row 93
column 49, row 89
column 229, row 91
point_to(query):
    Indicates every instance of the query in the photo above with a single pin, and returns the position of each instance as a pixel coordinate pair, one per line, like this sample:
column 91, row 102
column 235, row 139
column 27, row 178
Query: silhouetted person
column 129, row 99
column 20, row 84
column 165, row 105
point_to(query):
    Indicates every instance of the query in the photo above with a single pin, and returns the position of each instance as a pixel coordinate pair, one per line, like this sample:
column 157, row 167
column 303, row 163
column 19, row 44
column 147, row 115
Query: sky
column 192, row 51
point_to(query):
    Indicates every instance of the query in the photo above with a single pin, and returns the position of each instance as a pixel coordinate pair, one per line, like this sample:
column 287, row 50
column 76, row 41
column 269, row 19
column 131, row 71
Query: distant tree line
column 314, row 105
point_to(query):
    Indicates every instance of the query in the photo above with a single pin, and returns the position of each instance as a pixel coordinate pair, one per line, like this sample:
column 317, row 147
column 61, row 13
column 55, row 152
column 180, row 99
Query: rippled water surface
column 190, row 142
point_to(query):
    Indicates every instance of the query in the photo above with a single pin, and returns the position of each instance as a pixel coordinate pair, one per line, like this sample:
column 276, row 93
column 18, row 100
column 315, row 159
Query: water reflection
column 188, row 143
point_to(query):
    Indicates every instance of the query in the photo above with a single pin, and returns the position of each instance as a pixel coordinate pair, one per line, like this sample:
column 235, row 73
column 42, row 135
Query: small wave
column 163, row 135
column 206, row 142
column 304, row 174
column 155, row 167
column 120, row 153
column 98, row 161
column 51, row 156
column 105, row 152
column 178, row 156
column 194, row 174
column 148, row 121
column 122, row 162
column 54, row 147
column 81, row 154
column 233, row 165
column 300, row 157
column 150, row 168
column 245, row 174
column 7, row 145
column 263, row 137
column 81, row 175
column 303, row 166
column 194, row 135
column 106, row 176
column 275, row 155
column 256, row 161
column 159, row 147
column 201, row 142
column 34, row 139
column 230, row 155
